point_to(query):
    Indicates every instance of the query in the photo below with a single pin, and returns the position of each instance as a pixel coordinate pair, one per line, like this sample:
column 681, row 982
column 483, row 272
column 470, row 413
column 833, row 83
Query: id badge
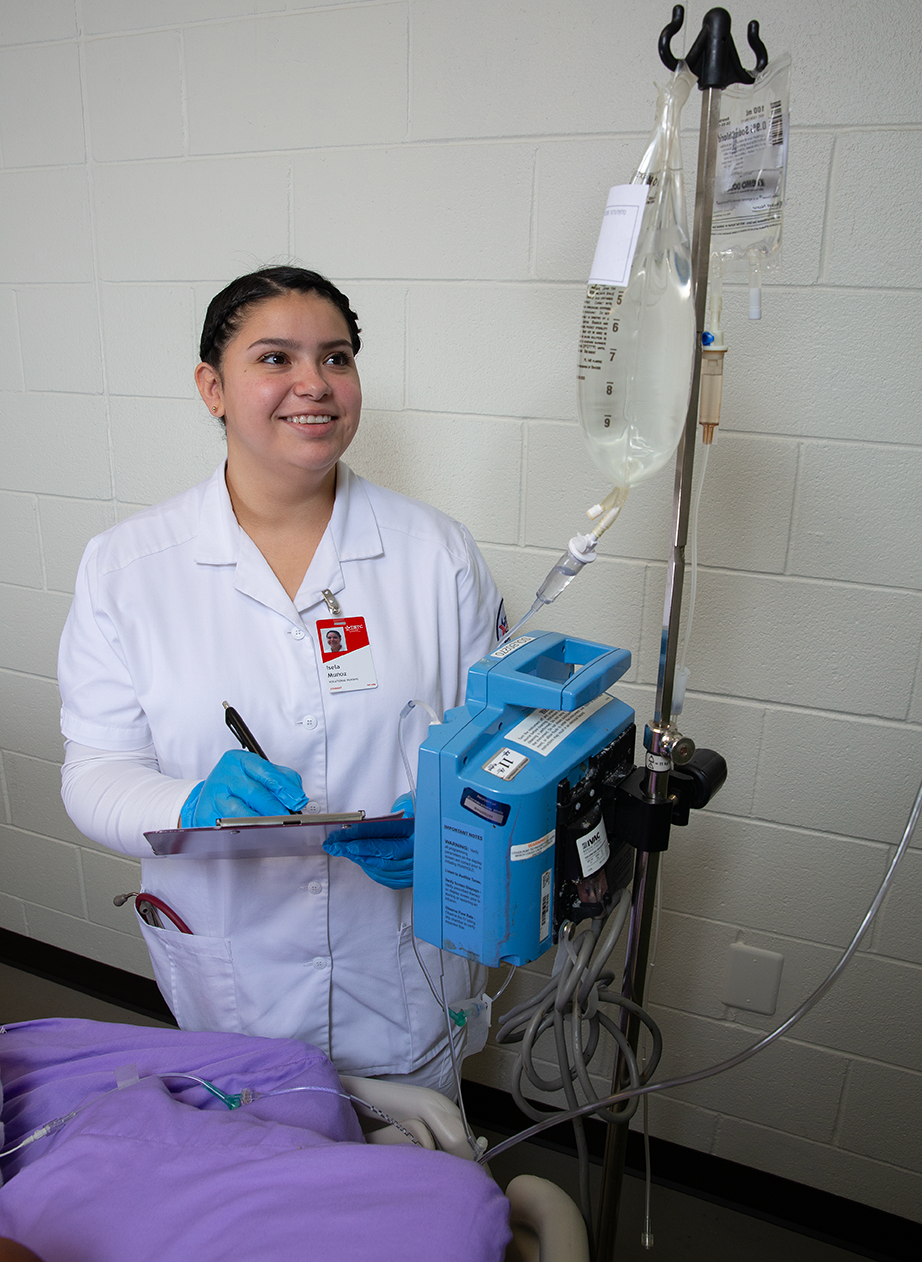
column 346, row 654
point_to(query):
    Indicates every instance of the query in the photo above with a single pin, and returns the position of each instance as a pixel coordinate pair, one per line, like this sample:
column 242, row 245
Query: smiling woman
column 278, row 367
column 284, row 585
column 288, row 391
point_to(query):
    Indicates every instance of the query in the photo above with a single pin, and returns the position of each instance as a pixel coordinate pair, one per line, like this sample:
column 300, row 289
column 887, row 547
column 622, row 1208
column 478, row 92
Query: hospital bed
column 546, row 1224
column 155, row 1165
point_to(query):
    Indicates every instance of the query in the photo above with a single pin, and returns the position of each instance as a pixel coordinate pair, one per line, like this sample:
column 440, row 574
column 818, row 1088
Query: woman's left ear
column 209, row 387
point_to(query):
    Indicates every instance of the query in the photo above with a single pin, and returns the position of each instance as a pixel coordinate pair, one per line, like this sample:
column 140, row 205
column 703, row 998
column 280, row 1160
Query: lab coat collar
column 352, row 534
column 218, row 536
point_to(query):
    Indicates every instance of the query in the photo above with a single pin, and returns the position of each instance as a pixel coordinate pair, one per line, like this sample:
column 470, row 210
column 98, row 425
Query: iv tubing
column 231, row 1101
column 693, row 556
column 810, row 1002
column 400, row 743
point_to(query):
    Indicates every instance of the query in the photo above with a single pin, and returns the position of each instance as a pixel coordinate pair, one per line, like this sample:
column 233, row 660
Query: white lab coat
column 176, row 611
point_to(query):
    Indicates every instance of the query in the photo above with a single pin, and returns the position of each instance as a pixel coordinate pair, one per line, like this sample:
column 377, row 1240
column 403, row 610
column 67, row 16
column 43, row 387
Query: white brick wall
column 447, row 164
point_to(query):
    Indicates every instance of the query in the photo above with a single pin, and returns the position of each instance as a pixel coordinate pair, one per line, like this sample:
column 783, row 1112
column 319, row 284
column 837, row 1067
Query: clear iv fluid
column 634, row 379
column 637, row 343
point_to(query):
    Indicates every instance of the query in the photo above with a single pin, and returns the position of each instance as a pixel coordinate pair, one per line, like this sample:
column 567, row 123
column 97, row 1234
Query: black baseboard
column 868, row 1232
column 860, row 1229
column 101, row 981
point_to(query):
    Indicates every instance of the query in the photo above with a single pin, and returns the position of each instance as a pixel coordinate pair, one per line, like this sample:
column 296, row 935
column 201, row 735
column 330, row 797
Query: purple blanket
column 163, row 1172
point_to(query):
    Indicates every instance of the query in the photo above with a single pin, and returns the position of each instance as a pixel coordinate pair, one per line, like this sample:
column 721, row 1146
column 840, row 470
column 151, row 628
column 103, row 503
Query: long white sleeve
column 115, row 798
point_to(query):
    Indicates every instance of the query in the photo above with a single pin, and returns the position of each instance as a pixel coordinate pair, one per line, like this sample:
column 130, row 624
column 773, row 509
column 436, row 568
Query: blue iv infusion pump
column 515, row 803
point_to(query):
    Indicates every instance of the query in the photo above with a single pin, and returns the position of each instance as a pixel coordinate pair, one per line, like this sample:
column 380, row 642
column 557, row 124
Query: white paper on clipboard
column 614, row 253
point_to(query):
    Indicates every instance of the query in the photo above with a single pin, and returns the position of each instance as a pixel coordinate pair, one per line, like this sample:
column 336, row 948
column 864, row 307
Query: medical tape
column 126, row 1076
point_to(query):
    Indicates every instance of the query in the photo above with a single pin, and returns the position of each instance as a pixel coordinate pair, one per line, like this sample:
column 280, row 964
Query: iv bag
column 752, row 147
column 637, row 344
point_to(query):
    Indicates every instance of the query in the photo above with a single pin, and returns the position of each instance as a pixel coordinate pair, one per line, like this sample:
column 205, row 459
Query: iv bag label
column 545, row 926
column 620, row 230
column 543, row 730
column 462, row 886
column 594, row 333
column 593, row 849
column 752, row 142
column 528, row 850
column 506, row 763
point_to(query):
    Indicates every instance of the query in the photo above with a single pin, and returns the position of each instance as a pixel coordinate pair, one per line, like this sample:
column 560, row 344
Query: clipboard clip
column 273, row 821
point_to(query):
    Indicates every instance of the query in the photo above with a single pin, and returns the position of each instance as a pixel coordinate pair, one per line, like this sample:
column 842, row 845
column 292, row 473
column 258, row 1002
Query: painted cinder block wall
column 447, row 164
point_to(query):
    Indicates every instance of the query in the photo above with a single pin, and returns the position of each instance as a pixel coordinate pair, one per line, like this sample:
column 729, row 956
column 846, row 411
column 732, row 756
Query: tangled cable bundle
column 570, row 1004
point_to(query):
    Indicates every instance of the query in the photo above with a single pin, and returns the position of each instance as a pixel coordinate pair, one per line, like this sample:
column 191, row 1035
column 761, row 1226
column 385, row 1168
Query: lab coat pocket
column 425, row 1020
column 196, row 978
column 425, row 1015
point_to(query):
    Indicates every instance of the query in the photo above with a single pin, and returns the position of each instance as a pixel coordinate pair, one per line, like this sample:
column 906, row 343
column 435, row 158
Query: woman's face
column 288, row 387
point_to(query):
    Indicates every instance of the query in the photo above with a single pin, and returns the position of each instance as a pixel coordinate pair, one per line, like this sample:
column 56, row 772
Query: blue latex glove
column 387, row 856
column 241, row 783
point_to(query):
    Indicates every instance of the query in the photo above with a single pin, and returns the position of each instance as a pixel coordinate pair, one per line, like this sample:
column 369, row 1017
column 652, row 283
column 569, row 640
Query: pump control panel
column 515, row 820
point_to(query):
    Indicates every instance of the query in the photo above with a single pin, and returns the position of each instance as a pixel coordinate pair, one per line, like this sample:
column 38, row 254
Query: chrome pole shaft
column 685, row 456
column 646, row 865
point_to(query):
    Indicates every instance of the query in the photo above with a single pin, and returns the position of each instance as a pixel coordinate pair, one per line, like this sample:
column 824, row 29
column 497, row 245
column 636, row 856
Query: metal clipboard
column 273, row 836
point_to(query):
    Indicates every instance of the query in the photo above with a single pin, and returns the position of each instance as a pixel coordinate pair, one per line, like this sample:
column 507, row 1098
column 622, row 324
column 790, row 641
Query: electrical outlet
column 753, row 979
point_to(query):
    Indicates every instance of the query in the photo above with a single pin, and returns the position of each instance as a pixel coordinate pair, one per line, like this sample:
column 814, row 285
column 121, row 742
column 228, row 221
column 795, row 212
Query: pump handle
column 713, row 56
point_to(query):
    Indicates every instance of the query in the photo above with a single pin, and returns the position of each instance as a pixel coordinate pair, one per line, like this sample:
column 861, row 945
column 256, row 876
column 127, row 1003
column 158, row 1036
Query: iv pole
column 714, row 59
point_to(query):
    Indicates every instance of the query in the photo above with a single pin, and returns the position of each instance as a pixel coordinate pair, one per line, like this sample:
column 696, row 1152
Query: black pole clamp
column 713, row 56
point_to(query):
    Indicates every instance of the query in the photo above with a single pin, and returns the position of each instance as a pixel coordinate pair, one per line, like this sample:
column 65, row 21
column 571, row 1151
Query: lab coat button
column 320, row 963
column 315, row 888
column 312, row 808
column 297, row 633
column 309, row 720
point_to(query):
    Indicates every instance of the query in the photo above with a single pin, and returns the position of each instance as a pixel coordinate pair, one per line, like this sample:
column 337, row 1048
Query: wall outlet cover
column 753, row 979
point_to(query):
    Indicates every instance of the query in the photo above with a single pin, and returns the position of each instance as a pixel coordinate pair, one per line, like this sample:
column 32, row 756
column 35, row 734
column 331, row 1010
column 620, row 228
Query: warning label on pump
column 543, row 730
column 528, row 849
column 462, row 871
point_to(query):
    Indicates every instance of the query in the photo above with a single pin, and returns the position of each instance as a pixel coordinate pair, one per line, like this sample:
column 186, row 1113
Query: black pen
column 244, row 735
column 241, row 731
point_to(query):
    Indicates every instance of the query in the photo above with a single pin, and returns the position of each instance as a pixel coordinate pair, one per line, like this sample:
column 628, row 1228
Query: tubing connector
column 606, row 513
column 713, row 350
column 582, row 548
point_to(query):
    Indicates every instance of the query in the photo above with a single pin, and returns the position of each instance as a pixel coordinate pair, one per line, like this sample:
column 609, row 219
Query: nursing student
column 227, row 592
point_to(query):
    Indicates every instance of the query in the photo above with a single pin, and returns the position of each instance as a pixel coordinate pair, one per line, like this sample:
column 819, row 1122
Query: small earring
column 215, row 408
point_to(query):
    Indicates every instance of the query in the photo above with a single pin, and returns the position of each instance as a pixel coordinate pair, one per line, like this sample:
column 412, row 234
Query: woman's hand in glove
column 386, row 855
column 241, row 783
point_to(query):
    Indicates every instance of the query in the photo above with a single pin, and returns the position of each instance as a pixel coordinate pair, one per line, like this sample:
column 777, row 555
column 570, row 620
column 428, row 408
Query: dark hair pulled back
column 227, row 309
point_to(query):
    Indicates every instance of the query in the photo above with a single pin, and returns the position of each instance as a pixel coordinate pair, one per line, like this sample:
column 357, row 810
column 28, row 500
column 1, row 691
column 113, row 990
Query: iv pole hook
column 713, row 56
